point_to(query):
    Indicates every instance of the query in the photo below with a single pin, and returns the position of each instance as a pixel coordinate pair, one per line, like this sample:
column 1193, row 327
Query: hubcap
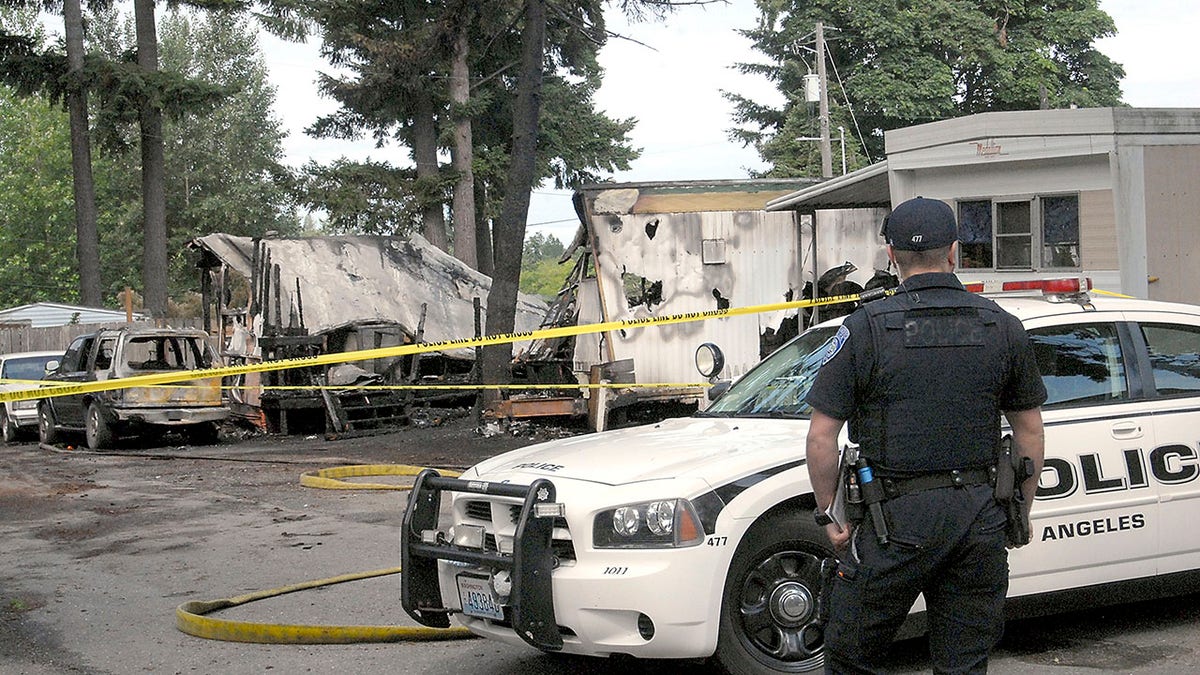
column 791, row 603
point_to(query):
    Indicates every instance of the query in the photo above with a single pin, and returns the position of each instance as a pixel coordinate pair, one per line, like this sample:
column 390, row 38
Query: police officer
column 922, row 377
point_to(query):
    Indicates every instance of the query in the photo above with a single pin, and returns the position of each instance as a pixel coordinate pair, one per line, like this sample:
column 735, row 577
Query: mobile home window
column 1060, row 231
column 975, row 234
column 1014, row 234
column 1037, row 233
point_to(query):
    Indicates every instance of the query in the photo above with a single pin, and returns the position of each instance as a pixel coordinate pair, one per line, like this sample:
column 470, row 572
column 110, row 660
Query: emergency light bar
column 1050, row 286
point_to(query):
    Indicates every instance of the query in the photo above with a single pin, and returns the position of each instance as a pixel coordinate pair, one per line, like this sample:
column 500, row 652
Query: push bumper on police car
column 527, row 566
column 511, row 569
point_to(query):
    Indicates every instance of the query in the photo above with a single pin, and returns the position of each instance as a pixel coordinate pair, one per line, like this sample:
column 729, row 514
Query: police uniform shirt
column 924, row 394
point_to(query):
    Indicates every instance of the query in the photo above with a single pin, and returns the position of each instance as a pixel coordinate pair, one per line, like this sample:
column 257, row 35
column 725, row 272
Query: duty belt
column 897, row 486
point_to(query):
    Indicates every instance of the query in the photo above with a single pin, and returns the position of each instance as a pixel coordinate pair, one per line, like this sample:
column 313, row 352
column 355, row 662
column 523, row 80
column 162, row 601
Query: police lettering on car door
column 1171, row 464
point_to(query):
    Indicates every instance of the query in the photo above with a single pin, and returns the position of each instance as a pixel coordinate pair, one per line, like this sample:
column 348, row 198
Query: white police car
column 694, row 537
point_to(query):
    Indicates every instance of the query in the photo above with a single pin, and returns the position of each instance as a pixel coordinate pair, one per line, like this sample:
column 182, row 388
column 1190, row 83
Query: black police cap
column 920, row 224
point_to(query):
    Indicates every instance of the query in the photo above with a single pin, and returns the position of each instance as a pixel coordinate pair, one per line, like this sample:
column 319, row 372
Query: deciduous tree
column 898, row 64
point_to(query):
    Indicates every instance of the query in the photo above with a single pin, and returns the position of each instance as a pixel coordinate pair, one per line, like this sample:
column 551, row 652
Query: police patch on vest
column 949, row 327
column 835, row 343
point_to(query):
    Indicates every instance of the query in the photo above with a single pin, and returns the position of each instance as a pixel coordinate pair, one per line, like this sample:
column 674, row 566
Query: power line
column 556, row 222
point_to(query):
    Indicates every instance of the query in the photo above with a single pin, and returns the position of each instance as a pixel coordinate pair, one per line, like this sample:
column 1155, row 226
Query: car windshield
column 26, row 367
column 778, row 386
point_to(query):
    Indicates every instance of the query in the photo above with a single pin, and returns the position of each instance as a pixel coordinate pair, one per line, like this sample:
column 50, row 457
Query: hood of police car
column 708, row 448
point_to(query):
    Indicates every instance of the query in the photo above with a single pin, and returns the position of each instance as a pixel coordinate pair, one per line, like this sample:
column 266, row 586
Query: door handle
column 1127, row 430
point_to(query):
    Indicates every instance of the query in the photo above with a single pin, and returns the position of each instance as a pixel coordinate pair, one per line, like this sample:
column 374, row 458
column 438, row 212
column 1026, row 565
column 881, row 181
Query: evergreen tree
column 399, row 57
column 223, row 166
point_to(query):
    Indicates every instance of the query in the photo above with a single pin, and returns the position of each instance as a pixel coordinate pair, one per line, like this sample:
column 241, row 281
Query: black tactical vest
column 941, row 360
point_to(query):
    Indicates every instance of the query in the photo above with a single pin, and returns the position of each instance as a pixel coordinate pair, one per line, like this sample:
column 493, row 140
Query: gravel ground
column 99, row 548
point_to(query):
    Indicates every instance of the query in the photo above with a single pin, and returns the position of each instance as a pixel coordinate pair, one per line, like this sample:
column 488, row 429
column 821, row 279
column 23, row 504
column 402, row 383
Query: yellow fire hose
column 327, row 478
column 190, row 617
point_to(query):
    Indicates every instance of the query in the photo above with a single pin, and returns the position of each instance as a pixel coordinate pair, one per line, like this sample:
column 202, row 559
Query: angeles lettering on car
column 1171, row 464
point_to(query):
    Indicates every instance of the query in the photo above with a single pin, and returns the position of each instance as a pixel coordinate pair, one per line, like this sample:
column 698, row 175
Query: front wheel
column 11, row 433
column 48, row 432
column 769, row 609
column 99, row 432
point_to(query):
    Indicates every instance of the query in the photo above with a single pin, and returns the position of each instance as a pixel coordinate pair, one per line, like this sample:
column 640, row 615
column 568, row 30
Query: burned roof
column 358, row 279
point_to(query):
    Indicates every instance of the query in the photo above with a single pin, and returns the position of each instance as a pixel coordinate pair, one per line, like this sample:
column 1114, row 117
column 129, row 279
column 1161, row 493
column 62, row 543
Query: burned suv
column 105, row 416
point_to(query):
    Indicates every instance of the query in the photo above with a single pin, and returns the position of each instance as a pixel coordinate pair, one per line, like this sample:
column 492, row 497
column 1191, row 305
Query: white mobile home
column 1110, row 193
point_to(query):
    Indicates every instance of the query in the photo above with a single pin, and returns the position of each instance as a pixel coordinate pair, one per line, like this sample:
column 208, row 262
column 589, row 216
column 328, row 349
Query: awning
column 864, row 188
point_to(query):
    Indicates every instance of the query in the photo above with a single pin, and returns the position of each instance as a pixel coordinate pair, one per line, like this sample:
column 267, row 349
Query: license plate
column 478, row 599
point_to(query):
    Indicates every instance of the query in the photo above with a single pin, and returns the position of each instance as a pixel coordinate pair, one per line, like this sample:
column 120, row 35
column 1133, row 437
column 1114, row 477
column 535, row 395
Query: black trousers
column 947, row 543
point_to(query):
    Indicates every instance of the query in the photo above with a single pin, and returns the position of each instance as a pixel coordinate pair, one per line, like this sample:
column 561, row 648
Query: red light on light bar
column 974, row 287
column 1074, row 285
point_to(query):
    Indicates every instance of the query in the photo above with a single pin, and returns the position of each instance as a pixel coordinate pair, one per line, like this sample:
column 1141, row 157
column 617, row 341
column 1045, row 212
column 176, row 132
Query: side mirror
column 51, row 366
column 710, row 361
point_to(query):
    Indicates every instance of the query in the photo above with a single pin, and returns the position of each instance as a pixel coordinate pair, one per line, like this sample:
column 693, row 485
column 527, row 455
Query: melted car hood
column 692, row 447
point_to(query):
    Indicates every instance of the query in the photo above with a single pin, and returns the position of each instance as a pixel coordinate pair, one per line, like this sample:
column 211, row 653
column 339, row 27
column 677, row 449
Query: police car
column 693, row 537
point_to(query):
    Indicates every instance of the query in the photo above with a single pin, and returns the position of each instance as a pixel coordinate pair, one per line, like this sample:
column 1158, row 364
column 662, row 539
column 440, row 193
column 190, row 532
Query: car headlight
column 28, row 404
column 662, row 523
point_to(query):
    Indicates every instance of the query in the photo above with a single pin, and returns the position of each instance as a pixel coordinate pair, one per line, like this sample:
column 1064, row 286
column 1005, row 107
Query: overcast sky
column 672, row 86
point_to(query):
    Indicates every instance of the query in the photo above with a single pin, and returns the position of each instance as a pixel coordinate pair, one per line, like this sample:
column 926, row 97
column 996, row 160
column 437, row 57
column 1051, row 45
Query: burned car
column 195, row 406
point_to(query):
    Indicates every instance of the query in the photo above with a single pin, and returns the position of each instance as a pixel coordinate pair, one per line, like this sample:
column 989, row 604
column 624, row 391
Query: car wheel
column 204, row 433
column 9, row 426
column 99, row 432
column 769, row 609
column 48, row 431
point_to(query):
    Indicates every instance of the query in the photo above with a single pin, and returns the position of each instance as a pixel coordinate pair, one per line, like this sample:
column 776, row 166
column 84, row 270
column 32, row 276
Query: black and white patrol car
column 694, row 537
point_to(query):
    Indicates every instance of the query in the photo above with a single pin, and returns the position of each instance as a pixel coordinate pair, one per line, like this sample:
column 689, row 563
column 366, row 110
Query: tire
column 769, row 610
column 11, row 433
column 204, row 433
column 48, row 431
column 99, row 432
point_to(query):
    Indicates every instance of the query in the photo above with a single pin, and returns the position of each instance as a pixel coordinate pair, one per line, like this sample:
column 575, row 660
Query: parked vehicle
column 20, row 417
column 105, row 416
column 694, row 538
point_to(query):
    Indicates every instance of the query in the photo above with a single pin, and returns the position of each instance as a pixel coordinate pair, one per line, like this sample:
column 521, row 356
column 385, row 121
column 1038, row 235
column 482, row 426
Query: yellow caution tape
column 327, row 478
column 403, row 350
column 190, row 618
column 1110, row 294
column 465, row 387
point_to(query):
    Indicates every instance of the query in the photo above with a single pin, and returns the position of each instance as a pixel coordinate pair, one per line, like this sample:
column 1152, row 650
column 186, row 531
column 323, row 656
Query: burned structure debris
column 278, row 298
column 656, row 249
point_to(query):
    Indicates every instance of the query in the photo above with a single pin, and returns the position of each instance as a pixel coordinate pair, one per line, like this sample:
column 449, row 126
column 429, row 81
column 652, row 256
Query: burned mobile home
column 278, row 298
column 655, row 249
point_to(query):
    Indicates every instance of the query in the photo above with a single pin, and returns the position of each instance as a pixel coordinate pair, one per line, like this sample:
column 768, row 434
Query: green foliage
column 37, row 226
column 544, row 278
column 900, row 63
column 223, row 163
column 363, row 197
column 541, row 272
column 540, row 246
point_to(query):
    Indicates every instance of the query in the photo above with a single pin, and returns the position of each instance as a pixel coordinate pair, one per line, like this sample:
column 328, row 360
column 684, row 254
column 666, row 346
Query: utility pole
column 823, row 120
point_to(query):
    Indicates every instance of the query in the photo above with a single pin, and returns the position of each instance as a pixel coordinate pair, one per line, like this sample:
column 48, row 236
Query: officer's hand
column 838, row 536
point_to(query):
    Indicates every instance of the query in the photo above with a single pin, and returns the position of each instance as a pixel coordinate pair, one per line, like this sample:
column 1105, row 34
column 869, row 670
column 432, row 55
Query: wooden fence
column 56, row 338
